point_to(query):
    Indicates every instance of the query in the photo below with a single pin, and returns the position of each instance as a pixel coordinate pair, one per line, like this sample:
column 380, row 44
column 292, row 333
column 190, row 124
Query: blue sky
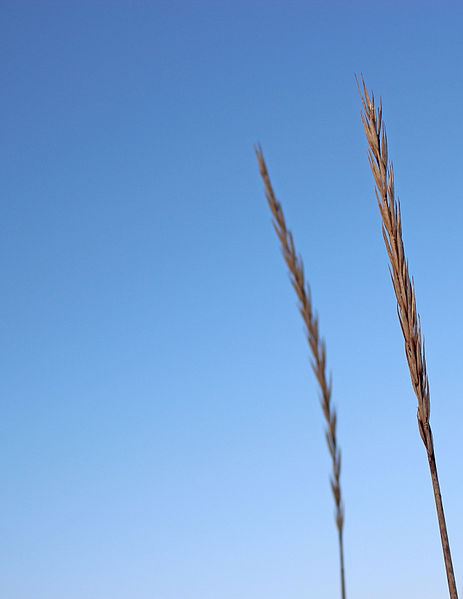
column 161, row 435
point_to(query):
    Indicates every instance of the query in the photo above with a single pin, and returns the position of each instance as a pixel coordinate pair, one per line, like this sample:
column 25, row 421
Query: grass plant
column 404, row 287
column 317, row 346
column 383, row 174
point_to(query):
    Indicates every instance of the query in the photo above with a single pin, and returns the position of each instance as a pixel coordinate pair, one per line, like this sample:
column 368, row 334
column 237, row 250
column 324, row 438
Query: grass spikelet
column 317, row 346
column 383, row 174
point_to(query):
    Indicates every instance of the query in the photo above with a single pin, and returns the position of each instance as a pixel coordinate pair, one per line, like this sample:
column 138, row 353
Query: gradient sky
column 161, row 435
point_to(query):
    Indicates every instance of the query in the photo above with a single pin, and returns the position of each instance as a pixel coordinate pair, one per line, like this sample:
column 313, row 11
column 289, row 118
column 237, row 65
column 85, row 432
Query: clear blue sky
column 161, row 435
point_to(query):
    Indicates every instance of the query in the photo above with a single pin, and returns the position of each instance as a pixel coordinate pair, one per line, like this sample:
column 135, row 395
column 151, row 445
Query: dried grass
column 383, row 174
column 317, row 346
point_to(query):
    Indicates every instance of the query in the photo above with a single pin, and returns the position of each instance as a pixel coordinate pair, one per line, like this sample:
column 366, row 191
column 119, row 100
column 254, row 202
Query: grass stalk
column 317, row 346
column 383, row 174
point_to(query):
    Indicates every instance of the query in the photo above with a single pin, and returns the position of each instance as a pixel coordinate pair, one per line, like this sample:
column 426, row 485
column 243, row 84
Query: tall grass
column 383, row 174
column 317, row 346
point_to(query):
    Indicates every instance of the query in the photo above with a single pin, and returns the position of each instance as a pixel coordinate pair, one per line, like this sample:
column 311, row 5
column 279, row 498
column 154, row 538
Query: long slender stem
column 341, row 561
column 442, row 526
